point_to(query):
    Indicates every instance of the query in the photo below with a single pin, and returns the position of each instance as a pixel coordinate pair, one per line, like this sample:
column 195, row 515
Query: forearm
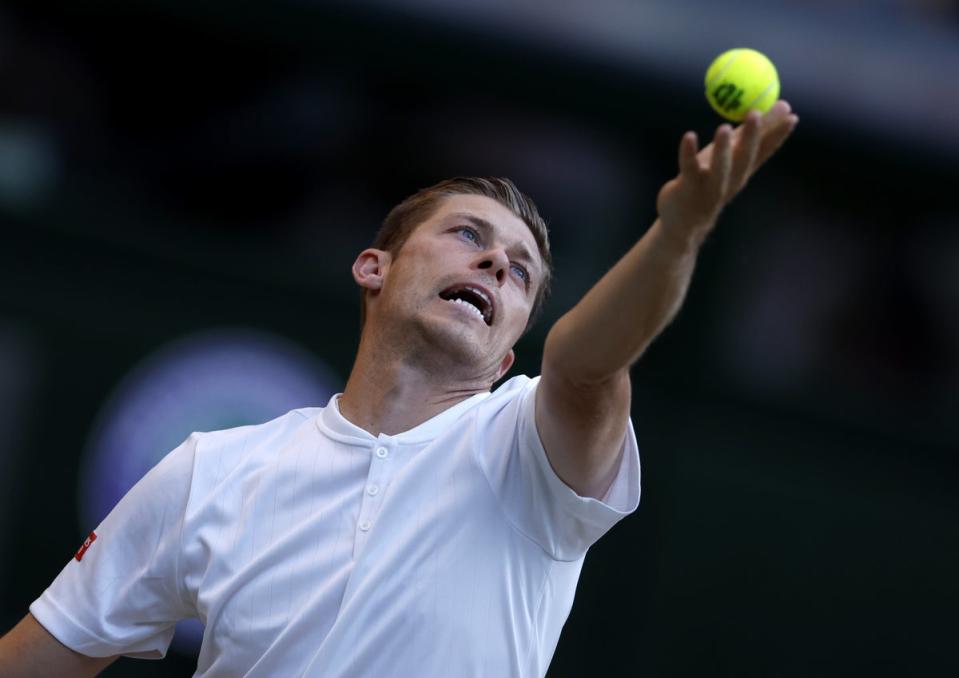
column 30, row 650
column 614, row 323
column 611, row 327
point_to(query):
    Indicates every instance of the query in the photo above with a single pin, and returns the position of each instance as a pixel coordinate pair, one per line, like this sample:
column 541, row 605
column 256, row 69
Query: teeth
column 470, row 306
column 480, row 293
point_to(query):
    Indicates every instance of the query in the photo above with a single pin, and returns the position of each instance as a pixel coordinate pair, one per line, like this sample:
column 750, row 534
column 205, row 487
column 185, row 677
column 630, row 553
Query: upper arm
column 582, row 428
column 126, row 593
column 30, row 650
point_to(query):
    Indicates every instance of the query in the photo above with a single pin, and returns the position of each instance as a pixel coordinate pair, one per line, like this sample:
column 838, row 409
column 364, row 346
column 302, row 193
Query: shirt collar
column 332, row 423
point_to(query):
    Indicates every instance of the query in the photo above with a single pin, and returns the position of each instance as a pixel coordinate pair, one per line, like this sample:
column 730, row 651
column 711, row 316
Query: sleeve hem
column 72, row 634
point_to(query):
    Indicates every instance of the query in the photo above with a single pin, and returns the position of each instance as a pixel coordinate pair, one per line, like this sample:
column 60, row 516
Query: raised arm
column 583, row 398
column 29, row 651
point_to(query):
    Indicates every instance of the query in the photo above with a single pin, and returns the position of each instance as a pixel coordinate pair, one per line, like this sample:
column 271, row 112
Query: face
column 461, row 288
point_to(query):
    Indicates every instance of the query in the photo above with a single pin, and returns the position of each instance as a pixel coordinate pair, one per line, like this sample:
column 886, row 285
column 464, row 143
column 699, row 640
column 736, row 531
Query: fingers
column 688, row 146
column 724, row 166
column 779, row 110
column 722, row 160
column 777, row 125
column 748, row 139
column 756, row 140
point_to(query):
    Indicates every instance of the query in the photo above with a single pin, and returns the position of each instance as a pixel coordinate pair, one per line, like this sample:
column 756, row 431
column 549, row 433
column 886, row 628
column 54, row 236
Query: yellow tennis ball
column 741, row 80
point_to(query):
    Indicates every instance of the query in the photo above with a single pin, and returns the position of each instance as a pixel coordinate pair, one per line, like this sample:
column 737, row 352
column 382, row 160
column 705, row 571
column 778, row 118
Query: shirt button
column 365, row 525
column 372, row 490
column 381, row 452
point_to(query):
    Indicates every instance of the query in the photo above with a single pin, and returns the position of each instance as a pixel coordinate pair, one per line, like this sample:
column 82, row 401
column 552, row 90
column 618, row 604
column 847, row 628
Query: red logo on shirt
column 83, row 549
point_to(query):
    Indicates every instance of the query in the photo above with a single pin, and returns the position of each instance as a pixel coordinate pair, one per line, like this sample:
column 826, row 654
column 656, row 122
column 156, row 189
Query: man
column 419, row 524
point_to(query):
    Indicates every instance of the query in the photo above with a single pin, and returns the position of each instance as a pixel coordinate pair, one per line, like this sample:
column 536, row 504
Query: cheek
column 409, row 278
column 518, row 315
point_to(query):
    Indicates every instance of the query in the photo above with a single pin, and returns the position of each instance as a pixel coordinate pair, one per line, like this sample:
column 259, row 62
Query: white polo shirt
column 310, row 547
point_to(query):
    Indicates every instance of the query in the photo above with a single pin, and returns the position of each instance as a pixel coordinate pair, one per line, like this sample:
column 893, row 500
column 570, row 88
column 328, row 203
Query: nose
column 496, row 263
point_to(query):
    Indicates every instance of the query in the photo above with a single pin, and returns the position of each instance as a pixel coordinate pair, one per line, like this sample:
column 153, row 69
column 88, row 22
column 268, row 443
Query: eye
column 523, row 273
column 469, row 233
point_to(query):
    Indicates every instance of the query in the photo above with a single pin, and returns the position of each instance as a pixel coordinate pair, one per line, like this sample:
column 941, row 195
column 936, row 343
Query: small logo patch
column 83, row 549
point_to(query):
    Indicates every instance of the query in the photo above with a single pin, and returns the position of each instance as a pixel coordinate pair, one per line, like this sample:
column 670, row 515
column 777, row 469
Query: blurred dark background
column 184, row 186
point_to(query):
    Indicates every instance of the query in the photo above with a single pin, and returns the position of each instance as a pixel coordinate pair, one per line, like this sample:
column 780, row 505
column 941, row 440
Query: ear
column 370, row 267
column 505, row 365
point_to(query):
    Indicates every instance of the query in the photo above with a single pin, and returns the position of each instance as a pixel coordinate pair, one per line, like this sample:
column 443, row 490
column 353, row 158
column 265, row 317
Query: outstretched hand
column 708, row 179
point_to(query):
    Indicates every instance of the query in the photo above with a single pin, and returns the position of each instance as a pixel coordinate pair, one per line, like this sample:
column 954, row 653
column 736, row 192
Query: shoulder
column 511, row 391
column 500, row 413
column 253, row 440
column 285, row 423
column 514, row 385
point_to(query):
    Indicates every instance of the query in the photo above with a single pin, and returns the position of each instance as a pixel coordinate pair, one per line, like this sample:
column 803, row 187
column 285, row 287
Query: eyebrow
column 522, row 252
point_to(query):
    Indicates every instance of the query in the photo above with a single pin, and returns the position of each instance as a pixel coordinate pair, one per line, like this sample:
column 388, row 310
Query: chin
column 458, row 344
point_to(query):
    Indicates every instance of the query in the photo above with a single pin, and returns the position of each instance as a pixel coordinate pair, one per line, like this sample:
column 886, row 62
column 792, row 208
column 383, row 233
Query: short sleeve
column 534, row 498
column 123, row 595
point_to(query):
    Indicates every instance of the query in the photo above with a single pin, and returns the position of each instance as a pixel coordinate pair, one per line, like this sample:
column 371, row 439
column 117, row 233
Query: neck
column 391, row 391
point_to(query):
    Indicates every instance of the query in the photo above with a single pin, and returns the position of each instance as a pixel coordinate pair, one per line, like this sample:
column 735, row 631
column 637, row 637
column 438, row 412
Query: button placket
column 376, row 479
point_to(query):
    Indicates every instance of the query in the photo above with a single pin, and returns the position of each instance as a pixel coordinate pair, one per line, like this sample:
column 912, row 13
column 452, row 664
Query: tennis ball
column 740, row 80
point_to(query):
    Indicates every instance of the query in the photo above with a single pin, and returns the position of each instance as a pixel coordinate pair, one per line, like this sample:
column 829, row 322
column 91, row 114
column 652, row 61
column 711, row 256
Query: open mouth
column 473, row 298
